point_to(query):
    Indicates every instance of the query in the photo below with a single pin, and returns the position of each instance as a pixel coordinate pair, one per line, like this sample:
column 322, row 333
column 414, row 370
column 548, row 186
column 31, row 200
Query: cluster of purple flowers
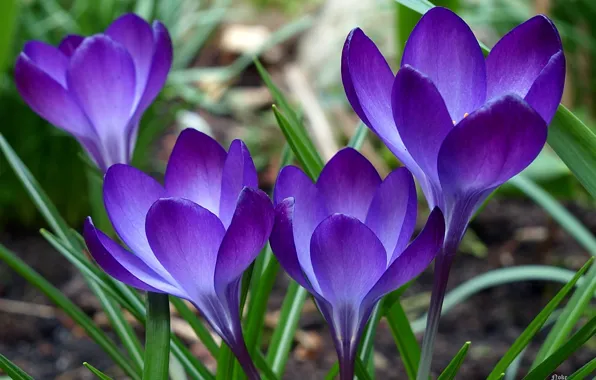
column 461, row 124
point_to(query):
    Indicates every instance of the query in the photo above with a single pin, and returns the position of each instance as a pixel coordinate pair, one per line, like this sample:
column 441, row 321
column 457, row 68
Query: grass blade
column 13, row 370
column 100, row 375
column 582, row 373
column 157, row 338
column 524, row 339
column 574, row 309
column 69, row 308
column 453, row 366
column 404, row 337
column 196, row 324
column 551, row 363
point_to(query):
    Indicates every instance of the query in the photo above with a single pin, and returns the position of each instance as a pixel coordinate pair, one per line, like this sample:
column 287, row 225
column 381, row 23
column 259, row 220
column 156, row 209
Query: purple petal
column 367, row 80
column 421, row 118
column 348, row 183
column 135, row 34
column 392, row 213
column 348, row 259
column 546, row 92
column 238, row 171
column 128, row 194
column 283, row 243
column 489, row 147
column 123, row 265
column 101, row 76
column 308, row 211
column 443, row 47
column 160, row 65
column 517, row 60
column 413, row 260
column 70, row 43
column 247, row 235
column 185, row 238
column 195, row 169
column 49, row 59
column 50, row 100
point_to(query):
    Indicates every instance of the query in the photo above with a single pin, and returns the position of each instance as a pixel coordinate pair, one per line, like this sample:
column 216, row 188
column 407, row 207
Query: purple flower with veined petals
column 345, row 239
column 194, row 236
column 462, row 124
column 97, row 88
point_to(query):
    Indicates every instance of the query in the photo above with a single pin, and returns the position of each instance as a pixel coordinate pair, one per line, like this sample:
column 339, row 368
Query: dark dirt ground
column 46, row 343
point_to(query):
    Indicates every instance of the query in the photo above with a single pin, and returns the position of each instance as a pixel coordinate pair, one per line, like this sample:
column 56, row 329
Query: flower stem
column 157, row 337
column 442, row 267
column 248, row 366
column 346, row 360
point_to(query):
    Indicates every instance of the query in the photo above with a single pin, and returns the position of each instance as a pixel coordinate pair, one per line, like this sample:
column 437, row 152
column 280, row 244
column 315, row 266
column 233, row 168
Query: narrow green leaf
column 360, row 369
column 368, row 339
column 261, row 363
column 565, row 219
column 157, row 341
column 582, row 373
column 551, row 363
column 100, row 375
column 145, row 8
column 453, row 366
column 405, row 340
column 524, row 339
column 69, row 308
column 38, row 196
column 225, row 363
column 8, row 21
column 13, row 370
column 359, row 136
column 574, row 309
column 283, row 335
column 311, row 163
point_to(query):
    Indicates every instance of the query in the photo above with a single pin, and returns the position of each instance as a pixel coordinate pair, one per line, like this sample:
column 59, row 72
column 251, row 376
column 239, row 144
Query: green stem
column 157, row 337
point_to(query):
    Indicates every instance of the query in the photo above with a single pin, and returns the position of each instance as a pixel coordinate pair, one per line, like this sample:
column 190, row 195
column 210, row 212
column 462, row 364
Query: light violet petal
column 101, row 77
column 128, row 194
column 489, row 147
column 546, row 92
column 136, row 36
column 443, row 47
column 247, row 235
column 50, row 100
column 185, row 238
column 308, row 211
column 413, row 260
column 70, row 43
column 238, row 171
column 517, row 60
column 421, row 118
column 348, row 259
column 195, row 169
column 348, row 184
column 392, row 213
column 283, row 244
column 49, row 59
column 367, row 80
column 123, row 265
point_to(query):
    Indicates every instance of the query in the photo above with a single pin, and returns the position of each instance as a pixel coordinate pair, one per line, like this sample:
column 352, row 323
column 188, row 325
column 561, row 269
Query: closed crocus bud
column 194, row 236
column 96, row 88
column 345, row 239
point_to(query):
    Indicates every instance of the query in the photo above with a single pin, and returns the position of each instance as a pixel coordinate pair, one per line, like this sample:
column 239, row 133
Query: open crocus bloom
column 97, row 88
column 345, row 239
column 194, row 236
column 462, row 124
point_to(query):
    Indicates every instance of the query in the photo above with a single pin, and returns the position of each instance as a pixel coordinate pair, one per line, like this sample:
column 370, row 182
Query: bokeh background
column 214, row 87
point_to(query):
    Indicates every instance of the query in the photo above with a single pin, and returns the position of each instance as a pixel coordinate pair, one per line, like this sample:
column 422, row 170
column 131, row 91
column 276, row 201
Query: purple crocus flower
column 97, row 88
column 345, row 239
column 462, row 124
column 194, row 236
